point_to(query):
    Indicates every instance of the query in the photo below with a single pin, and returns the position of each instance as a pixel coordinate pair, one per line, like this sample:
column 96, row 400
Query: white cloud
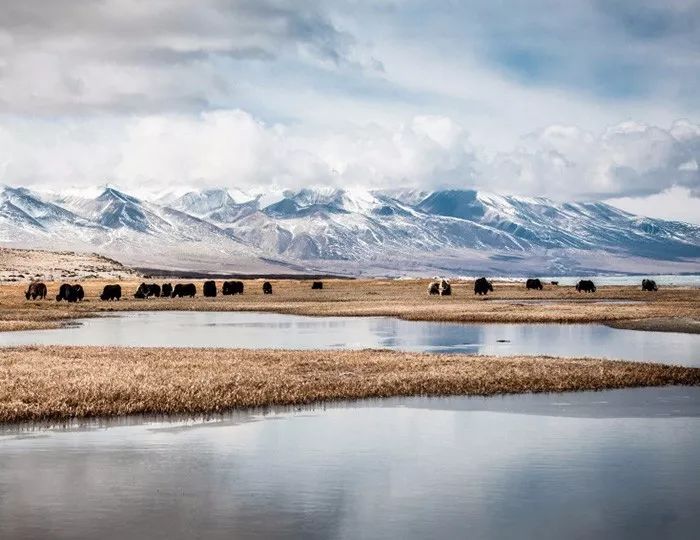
column 629, row 159
column 233, row 148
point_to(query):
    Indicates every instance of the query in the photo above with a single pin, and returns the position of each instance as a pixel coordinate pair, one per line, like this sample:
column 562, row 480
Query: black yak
column 533, row 284
column 70, row 293
column 585, row 285
column 267, row 288
column 445, row 288
column 184, row 289
column 166, row 290
column 36, row 290
column 434, row 288
column 209, row 289
column 146, row 291
column 649, row 285
column 317, row 285
column 65, row 292
column 482, row 286
column 78, row 292
column 111, row 292
column 232, row 287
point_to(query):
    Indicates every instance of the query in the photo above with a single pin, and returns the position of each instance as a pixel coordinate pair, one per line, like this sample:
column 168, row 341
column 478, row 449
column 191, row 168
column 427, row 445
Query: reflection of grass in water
column 63, row 382
column 407, row 299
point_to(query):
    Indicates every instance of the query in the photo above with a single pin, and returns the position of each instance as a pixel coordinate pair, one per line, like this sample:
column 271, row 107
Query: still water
column 613, row 464
column 273, row 330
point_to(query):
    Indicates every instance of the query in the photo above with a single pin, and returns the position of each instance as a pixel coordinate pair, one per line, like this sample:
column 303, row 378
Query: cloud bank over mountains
column 235, row 149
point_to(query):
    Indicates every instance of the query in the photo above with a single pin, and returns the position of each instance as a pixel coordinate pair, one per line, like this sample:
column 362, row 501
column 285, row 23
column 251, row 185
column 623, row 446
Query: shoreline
column 48, row 383
column 681, row 325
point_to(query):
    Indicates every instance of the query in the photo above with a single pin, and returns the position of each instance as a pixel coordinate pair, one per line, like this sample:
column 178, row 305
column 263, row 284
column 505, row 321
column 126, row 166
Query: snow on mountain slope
column 215, row 205
column 350, row 231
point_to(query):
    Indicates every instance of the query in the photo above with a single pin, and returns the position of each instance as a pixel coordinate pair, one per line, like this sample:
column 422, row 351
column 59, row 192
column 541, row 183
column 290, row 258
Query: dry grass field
column 53, row 383
column 670, row 309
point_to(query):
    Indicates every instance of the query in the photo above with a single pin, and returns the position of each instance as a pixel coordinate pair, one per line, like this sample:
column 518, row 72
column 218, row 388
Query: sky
column 586, row 100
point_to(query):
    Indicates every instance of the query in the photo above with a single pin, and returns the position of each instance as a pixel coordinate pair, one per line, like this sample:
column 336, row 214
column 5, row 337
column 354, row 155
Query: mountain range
column 350, row 232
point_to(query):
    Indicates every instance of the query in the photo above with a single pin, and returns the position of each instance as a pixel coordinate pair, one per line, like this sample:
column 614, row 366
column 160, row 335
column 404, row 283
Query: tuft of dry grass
column 42, row 383
column 510, row 303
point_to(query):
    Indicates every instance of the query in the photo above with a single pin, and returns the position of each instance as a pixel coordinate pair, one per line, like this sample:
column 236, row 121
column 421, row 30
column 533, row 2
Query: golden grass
column 404, row 299
column 42, row 383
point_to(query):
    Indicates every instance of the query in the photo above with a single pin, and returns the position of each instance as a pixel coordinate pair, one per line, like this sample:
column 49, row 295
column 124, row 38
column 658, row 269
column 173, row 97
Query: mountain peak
column 112, row 194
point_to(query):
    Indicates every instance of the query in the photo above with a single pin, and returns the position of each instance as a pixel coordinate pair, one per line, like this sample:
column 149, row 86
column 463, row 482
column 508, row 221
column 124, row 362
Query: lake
column 278, row 331
column 612, row 464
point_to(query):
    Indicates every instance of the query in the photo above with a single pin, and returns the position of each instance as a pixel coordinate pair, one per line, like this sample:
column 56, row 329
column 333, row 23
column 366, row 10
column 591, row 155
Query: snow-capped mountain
column 351, row 231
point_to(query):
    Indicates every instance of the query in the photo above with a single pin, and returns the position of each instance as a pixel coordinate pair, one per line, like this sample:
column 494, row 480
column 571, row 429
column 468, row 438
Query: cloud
column 126, row 55
column 629, row 159
column 233, row 148
column 642, row 48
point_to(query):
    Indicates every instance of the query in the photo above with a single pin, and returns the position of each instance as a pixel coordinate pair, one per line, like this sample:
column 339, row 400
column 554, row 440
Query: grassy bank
column 510, row 303
column 42, row 383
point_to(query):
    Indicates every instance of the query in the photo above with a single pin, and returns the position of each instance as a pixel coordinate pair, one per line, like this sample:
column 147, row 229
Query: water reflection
column 273, row 330
column 460, row 467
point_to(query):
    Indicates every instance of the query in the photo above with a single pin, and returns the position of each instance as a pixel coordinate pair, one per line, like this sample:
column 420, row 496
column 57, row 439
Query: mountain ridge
column 353, row 232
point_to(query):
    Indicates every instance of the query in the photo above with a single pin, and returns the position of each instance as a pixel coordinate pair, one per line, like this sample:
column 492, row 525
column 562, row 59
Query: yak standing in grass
column 533, row 284
column 434, row 288
column 78, row 292
column 267, row 288
column 70, row 293
column 482, row 286
column 649, row 285
column 111, row 292
column 146, row 291
column 232, row 287
column 36, row 290
column 166, row 290
column 184, row 289
column 317, row 285
column 65, row 292
column 585, row 285
column 445, row 288
column 209, row 289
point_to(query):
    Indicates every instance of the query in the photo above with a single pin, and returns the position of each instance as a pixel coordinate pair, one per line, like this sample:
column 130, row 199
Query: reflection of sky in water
column 272, row 330
column 466, row 469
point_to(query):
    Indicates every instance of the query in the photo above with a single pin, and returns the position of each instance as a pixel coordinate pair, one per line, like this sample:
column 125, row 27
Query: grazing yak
column 533, row 284
column 267, row 288
column 482, row 286
column 554, row 282
column 36, row 290
column 232, row 287
column 209, row 289
column 184, row 289
column 146, row 291
column 78, row 292
column 70, row 293
column 111, row 292
column 649, row 285
column 317, row 285
column 445, row 288
column 166, row 290
column 434, row 288
column 585, row 285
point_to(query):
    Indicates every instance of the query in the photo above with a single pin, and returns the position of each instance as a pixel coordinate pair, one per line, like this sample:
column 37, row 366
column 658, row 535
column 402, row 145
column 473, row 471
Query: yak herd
column 483, row 286
column 75, row 293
